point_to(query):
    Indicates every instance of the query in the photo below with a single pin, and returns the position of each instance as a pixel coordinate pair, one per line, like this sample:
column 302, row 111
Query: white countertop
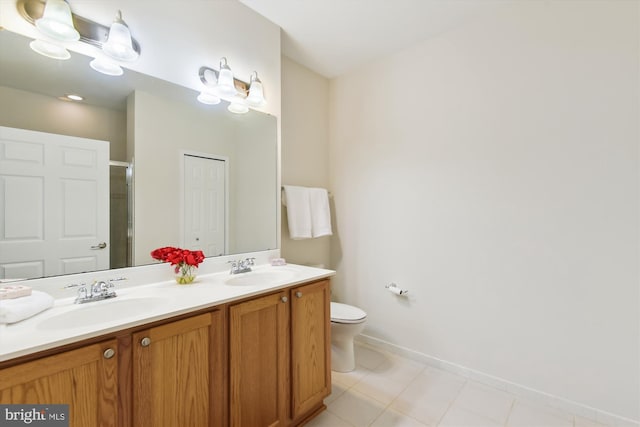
column 157, row 301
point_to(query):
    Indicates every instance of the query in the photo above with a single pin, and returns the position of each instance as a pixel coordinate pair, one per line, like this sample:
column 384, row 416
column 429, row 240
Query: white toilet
column 347, row 321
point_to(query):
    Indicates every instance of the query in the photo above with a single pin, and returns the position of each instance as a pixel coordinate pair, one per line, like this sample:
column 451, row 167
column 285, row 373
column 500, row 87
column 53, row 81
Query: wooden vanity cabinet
column 264, row 361
column 175, row 372
column 279, row 360
column 167, row 375
column 258, row 361
column 85, row 379
column 310, row 348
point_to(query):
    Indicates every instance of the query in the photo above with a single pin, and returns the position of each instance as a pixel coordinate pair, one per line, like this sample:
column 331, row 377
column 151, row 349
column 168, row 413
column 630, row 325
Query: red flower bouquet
column 185, row 261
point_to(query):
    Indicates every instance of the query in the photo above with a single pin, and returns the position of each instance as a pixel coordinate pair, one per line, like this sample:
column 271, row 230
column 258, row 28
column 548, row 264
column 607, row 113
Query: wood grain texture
column 81, row 378
column 310, row 347
column 218, row 349
column 171, row 376
column 258, row 361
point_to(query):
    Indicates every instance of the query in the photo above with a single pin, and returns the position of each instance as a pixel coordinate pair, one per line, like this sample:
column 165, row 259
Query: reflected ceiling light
column 226, row 86
column 56, row 22
column 119, row 45
column 256, row 93
column 50, row 50
column 106, row 66
column 238, row 105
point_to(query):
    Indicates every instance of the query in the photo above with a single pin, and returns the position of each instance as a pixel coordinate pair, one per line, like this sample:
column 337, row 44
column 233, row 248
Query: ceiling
column 332, row 37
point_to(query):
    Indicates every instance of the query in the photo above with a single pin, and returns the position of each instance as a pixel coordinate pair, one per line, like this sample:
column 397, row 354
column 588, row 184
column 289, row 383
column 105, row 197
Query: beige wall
column 162, row 130
column 305, row 138
column 27, row 110
column 493, row 172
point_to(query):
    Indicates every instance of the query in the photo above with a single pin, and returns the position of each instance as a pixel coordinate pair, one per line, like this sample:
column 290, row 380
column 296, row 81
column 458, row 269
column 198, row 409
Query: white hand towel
column 320, row 213
column 298, row 212
column 15, row 310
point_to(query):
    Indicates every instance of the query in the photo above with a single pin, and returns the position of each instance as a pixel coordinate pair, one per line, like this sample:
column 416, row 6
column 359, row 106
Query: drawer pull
column 109, row 353
column 145, row 342
column 284, row 299
column 299, row 294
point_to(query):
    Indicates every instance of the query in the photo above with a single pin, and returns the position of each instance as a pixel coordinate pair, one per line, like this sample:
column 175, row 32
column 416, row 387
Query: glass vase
column 185, row 274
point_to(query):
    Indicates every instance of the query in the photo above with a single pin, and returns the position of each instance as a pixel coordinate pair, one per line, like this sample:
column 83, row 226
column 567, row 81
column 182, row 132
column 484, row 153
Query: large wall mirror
column 179, row 173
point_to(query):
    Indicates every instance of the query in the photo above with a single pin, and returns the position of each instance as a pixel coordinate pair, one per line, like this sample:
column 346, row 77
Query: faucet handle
column 95, row 289
column 251, row 261
column 234, row 266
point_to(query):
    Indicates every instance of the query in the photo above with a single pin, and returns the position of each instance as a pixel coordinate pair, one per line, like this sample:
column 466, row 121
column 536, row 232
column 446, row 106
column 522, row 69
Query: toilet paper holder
column 393, row 288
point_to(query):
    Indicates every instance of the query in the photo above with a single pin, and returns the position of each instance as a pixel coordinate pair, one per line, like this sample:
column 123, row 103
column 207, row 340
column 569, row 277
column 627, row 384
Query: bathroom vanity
column 250, row 350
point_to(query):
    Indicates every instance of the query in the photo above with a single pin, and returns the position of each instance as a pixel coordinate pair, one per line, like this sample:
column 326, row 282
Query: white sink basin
column 94, row 313
column 261, row 277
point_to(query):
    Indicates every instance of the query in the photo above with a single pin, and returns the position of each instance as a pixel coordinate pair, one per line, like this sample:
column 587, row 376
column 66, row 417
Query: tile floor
column 387, row 390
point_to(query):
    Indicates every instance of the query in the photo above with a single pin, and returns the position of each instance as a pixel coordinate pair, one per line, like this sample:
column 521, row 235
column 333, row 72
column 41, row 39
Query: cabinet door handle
column 109, row 353
column 284, row 299
column 299, row 294
column 145, row 342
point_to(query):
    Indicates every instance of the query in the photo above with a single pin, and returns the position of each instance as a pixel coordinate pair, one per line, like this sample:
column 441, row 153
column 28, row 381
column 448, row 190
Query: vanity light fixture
column 50, row 50
column 226, row 85
column 238, row 105
column 56, row 22
column 217, row 84
column 106, row 66
column 119, row 45
column 209, row 78
column 256, row 93
column 208, row 98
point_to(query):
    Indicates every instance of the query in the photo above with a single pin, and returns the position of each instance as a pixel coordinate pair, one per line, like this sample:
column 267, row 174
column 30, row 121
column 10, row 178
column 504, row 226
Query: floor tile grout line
column 452, row 401
column 388, row 407
column 513, row 404
column 568, row 416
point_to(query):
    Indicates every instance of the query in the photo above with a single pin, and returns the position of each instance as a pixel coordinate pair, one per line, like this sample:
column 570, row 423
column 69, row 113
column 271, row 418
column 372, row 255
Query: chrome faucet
column 241, row 265
column 96, row 292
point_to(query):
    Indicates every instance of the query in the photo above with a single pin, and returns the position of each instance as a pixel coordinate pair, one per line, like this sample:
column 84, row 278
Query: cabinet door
column 310, row 346
column 172, row 371
column 85, row 379
column 258, row 361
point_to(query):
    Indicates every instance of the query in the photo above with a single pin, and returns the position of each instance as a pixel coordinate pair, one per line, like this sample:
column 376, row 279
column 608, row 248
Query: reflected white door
column 204, row 204
column 54, row 204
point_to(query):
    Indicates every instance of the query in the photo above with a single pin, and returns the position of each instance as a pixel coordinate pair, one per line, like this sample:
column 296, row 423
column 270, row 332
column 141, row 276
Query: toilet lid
column 344, row 313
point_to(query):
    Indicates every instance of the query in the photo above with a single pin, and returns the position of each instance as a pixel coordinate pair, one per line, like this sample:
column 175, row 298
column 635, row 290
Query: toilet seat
column 344, row 313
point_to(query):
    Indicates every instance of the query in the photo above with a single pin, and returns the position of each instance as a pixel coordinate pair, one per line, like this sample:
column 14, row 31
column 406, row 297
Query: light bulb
column 56, row 22
column 256, row 92
column 226, row 86
column 119, row 45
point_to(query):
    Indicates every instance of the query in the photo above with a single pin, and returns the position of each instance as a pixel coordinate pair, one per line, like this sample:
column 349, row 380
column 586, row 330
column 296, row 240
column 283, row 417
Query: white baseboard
column 519, row 390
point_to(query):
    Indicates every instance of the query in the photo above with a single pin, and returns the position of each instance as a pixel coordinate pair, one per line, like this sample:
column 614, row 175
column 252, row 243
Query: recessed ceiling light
column 71, row 97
